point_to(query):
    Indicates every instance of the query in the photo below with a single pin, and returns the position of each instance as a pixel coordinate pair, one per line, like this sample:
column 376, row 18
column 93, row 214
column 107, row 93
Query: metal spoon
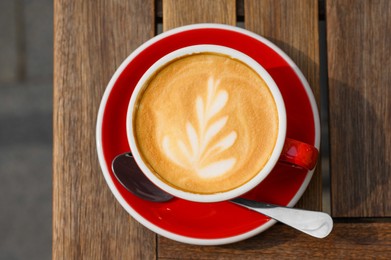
column 313, row 223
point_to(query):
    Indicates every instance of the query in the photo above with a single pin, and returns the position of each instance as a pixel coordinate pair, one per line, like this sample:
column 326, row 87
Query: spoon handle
column 314, row 223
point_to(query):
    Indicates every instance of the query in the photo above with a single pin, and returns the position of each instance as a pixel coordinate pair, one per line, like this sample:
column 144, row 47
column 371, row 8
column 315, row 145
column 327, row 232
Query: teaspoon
column 314, row 223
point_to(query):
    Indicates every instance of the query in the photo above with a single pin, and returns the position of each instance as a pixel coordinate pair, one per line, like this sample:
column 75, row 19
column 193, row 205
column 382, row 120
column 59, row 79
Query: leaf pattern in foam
column 213, row 130
column 218, row 103
column 169, row 153
column 193, row 138
column 200, row 110
column 222, row 145
column 199, row 141
column 216, row 169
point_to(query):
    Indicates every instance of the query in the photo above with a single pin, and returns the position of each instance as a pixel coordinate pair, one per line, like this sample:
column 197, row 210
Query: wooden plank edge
column 369, row 240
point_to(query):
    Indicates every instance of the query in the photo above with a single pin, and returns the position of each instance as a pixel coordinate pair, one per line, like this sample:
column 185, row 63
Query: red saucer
column 210, row 223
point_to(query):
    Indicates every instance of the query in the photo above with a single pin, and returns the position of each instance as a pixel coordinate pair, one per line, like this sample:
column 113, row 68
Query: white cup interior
column 222, row 196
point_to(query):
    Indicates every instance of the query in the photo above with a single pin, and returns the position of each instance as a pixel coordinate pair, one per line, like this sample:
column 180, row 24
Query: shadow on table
column 360, row 161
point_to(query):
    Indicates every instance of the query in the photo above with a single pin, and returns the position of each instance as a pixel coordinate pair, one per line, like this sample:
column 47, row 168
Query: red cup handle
column 299, row 154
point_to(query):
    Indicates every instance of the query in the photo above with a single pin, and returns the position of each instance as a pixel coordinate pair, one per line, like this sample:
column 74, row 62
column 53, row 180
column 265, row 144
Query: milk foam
column 205, row 123
column 200, row 137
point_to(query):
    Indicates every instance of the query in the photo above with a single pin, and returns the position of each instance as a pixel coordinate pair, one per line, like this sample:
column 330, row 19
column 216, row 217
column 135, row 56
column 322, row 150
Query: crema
column 205, row 123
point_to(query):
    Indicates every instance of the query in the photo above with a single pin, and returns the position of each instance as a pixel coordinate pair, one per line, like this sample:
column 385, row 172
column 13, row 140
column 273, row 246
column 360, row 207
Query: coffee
column 205, row 123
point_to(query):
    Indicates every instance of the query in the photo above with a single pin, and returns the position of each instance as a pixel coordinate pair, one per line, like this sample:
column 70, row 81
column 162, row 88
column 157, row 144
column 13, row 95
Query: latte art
column 200, row 138
column 205, row 123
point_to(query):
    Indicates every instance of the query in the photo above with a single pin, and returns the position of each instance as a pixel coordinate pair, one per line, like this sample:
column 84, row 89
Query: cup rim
column 282, row 122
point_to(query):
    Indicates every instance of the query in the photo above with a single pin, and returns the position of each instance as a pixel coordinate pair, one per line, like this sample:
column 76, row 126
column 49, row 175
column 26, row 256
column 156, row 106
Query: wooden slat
column 239, row 8
column 182, row 12
column 91, row 39
column 293, row 26
column 359, row 66
column 347, row 241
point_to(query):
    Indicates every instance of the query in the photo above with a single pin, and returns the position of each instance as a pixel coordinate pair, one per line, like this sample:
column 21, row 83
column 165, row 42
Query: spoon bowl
column 132, row 178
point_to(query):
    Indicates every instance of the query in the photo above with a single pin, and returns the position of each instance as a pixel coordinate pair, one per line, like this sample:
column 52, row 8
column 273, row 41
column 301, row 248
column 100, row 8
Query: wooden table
column 93, row 37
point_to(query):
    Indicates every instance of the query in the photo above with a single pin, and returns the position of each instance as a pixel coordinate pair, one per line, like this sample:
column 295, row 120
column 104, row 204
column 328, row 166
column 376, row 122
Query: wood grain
column 359, row 51
column 293, row 26
column 91, row 39
column 182, row 12
column 347, row 241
